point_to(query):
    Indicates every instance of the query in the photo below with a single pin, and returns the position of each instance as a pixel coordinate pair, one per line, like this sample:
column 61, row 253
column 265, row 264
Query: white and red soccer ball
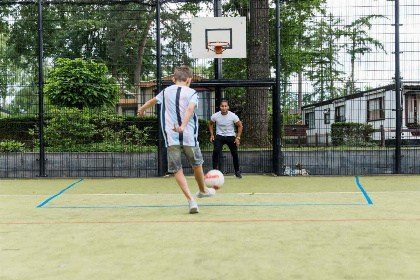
column 214, row 179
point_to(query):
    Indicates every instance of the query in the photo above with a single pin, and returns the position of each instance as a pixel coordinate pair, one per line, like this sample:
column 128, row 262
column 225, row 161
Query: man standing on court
column 180, row 130
column 225, row 134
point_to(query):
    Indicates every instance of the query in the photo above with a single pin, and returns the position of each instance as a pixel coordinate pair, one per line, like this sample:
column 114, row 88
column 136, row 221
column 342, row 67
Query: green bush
column 17, row 128
column 81, row 84
column 75, row 130
column 351, row 134
column 11, row 146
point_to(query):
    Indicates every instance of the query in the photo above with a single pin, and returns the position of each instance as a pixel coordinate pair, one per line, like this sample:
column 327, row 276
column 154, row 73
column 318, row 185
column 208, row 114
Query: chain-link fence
column 330, row 79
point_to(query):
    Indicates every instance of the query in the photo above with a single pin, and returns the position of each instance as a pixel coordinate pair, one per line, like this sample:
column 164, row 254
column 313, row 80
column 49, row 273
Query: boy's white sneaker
column 211, row 192
column 193, row 207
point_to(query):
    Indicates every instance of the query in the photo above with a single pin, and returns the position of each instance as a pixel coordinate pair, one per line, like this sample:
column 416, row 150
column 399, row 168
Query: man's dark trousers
column 219, row 141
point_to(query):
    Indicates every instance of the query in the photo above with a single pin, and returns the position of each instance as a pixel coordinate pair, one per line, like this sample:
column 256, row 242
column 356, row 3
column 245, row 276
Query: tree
column 323, row 71
column 255, row 115
column 78, row 83
column 119, row 35
column 360, row 43
column 296, row 19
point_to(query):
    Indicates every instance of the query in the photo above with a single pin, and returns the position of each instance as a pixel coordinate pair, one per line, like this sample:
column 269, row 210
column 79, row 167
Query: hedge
column 25, row 129
column 351, row 134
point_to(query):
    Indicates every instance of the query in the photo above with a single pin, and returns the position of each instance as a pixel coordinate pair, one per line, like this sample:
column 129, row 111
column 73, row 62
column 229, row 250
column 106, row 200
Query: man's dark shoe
column 238, row 174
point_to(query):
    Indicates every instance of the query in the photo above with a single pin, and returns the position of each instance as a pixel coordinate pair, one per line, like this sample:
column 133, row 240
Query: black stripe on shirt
column 162, row 115
column 178, row 114
column 195, row 129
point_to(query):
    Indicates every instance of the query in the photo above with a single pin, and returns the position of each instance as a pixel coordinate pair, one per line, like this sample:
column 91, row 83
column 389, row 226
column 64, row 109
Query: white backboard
column 218, row 29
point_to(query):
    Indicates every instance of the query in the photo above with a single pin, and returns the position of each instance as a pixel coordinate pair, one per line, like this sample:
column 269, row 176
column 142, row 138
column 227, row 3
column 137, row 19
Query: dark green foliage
column 351, row 134
column 11, row 146
column 17, row 128
column 78, row 83
column 74, row 130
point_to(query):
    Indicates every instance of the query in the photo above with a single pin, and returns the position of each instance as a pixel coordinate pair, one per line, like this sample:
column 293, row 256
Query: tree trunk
column 255, row 117
column 140, row 54
column 300, row 91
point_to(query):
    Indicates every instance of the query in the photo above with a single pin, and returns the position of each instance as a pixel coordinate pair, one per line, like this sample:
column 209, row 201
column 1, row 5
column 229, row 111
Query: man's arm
column 238, row 136
column 211, row 130
column 152, row 102
column 187, row 116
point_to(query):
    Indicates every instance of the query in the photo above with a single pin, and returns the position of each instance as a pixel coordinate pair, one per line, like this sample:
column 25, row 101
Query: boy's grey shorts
column 192, row 153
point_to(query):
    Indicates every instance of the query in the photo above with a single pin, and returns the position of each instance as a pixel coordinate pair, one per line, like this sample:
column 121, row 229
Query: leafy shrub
column 79, row 83
column 11, row 146
column 65, row 128
column 17, row 128
column 87, row 130
column 347, row 133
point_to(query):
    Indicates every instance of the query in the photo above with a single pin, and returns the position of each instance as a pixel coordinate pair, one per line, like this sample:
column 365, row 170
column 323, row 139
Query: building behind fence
column 326, row 89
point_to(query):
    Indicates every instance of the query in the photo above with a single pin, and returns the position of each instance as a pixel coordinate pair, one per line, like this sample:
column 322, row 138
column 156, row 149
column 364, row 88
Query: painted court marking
column 204, row 205
column 363, row 191
column 42, row 205
column 61, row 192
column 212, row 221
column 219, row 194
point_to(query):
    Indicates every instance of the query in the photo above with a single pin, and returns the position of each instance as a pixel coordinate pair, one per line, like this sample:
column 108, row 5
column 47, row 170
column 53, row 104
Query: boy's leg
column 217, row 149
column 234, row 151
column 175, row 166
column 195, row 158
column 199, row 177
column 183, row 184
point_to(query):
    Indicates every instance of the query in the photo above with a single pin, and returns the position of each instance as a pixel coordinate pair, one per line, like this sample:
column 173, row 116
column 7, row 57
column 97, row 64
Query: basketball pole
column 277, row 153
column 218, row 70
column 41, row 92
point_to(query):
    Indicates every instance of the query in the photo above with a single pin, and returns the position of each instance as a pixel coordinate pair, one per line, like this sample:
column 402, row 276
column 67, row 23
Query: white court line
column 219, row 194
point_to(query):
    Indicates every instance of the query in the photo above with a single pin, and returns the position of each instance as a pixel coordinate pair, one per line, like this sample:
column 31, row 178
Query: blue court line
column 363, row 191
column 203, row 205
column 54, row 196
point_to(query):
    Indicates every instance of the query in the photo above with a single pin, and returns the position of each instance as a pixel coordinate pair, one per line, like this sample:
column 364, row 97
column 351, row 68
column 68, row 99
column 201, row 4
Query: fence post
column 326, row 139
column 41, row 92
column 162, row 164
column 382, row 136
column 397, row 90
column 277, row 153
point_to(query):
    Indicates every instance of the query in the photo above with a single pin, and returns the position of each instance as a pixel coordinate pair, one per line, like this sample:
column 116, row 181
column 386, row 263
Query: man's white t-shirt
column 225, row 124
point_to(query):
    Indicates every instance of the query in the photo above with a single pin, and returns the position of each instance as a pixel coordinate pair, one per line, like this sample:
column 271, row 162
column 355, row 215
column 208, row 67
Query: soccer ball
column 214, row 179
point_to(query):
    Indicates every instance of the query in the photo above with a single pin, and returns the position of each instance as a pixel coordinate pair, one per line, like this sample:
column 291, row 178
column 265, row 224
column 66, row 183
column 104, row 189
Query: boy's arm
column 187, row 116
column 152, row 102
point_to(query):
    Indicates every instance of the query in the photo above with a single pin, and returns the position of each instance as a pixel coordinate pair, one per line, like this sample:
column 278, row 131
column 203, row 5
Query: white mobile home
column 375, row 107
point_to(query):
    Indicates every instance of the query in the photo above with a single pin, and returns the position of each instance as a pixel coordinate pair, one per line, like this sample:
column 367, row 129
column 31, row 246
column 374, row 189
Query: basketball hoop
column 217, row 46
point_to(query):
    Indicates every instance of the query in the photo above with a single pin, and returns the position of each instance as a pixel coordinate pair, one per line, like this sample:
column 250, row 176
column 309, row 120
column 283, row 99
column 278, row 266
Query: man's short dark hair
column 224, row 100
column 182, row 73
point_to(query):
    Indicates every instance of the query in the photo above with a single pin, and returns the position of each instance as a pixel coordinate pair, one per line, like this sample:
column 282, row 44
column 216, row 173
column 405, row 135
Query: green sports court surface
column 259, row 227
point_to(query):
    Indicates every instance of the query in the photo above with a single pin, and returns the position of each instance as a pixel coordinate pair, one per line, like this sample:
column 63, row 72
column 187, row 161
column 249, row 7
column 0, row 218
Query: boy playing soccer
column 180, row 130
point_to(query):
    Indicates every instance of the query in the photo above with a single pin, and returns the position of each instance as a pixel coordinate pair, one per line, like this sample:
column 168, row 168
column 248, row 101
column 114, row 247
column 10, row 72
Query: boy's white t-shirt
column 174, row 101
column 225, row 124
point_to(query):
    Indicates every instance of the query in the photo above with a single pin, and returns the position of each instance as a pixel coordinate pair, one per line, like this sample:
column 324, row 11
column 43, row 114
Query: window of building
column 310, row 120
column 340, row 114
column 327, row 116
column 129, row 111
column 412, row 108
column 204, row 104
column 375, row 109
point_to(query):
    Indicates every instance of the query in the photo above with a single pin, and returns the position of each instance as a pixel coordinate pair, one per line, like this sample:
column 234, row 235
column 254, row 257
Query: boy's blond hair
column 182, row 73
